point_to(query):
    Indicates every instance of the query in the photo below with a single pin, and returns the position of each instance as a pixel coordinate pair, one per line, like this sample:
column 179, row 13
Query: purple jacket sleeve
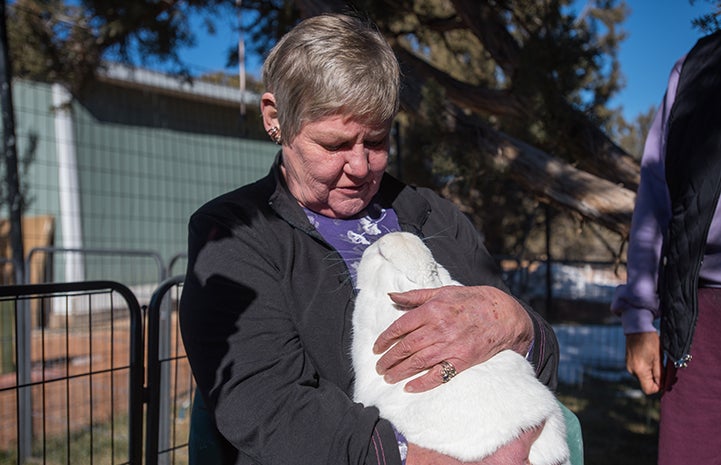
column 637, row 300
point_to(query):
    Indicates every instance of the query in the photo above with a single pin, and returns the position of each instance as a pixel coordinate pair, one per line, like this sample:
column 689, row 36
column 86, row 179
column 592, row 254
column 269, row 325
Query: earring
column 274, row 134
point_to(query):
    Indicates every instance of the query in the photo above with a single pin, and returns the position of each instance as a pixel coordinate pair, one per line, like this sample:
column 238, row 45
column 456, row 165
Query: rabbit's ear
column 367, row 273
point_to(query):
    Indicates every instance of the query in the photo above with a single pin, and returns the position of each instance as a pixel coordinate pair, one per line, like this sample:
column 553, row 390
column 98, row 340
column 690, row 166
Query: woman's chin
column 346, row 208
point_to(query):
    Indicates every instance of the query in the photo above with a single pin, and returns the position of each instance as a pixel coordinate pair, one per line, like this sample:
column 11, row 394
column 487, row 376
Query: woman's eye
column 336, row 147
column 375, row 143
column 333, row 147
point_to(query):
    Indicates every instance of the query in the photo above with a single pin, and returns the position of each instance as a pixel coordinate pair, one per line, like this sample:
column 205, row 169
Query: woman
column 674, row 261
column 266, row 306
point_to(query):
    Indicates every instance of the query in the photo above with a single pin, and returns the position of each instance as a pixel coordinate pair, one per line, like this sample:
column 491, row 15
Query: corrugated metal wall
column 145, row 161
column 36, row 141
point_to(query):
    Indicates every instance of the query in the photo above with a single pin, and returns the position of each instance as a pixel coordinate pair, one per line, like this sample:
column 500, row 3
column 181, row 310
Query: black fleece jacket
column 266, row 321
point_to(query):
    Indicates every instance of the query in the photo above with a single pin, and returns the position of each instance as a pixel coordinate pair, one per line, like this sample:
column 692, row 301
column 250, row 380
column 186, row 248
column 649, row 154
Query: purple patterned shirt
column 350, row 237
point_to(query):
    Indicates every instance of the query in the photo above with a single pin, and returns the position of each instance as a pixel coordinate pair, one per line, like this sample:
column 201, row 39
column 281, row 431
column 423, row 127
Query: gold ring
column 448, row 371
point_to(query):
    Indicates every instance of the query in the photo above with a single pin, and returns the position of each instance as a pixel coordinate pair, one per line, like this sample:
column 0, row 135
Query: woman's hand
column 464, row 325
column 513, row 453
column 644, row 360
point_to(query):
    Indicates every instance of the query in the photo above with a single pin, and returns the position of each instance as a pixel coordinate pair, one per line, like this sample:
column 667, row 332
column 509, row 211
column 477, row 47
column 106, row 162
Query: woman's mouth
column 354, row 189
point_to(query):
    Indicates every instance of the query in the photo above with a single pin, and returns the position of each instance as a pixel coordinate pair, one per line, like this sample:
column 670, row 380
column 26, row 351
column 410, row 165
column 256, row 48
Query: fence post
column 158, row 383
column 14, row 200
column 549, row 263
column 164, row 343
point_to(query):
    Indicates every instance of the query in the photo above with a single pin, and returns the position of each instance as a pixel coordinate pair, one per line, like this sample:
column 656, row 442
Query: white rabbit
column 483, row 407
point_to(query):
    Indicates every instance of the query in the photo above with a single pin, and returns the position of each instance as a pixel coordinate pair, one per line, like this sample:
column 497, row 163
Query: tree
column 632, row 135
column 500, row 73
column 496, row 72
column 67, row 41
column 495, row 90
column 709, row 22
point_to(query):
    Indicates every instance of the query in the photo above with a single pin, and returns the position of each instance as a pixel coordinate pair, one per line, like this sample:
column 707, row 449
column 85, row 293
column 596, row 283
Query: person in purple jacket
column 674, row 262
column 267, row 302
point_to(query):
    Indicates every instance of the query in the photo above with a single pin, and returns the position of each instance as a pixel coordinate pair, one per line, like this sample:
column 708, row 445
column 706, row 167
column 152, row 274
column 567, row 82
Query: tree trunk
column 552, row 180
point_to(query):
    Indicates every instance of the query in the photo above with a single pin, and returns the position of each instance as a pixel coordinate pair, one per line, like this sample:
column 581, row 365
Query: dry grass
column 101, row 444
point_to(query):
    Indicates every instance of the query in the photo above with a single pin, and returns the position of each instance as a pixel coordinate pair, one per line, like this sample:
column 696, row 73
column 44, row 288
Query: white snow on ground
column 593, row 350
column 596, row 351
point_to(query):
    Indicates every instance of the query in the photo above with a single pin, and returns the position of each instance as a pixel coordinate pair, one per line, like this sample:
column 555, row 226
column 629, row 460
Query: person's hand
column 514, row 453
column 464, row 325
column 643, row 360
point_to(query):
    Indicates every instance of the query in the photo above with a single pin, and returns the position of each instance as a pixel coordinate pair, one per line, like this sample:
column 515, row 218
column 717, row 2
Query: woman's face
column 334, row 165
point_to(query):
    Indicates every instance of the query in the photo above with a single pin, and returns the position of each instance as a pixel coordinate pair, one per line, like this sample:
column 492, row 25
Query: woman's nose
column 357, row 161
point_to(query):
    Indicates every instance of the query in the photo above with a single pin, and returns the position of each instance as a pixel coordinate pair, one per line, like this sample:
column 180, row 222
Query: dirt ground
column 619, row 423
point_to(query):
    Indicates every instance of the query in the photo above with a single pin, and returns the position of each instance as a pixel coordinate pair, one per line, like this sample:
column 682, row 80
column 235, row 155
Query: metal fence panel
column 74, row 392
column 170, row 381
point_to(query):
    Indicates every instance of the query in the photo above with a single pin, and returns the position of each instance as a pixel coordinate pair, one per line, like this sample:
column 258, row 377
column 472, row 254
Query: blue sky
column 658, row 33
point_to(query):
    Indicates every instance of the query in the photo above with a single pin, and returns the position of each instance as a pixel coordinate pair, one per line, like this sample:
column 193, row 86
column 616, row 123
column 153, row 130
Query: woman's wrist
column 524, row 332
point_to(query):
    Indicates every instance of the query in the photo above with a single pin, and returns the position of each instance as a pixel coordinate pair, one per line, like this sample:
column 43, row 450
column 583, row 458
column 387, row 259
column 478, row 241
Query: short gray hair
column 332, row 64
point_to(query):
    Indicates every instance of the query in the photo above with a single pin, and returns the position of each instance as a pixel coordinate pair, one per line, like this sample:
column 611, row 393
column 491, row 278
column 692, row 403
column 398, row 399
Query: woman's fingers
column 460, row 324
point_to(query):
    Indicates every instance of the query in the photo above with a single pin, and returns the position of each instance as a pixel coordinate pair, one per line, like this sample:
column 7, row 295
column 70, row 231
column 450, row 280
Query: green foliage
column 273, row 18
column 67, row 41
column 632, row 135
column 709, row 22
column 565, row 58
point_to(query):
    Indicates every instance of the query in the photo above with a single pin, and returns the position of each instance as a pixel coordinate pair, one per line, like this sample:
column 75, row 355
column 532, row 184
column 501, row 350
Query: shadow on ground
column 619, row 423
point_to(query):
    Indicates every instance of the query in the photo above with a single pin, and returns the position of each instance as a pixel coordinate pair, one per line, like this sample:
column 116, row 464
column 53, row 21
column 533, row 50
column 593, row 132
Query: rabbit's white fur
column 483, row 407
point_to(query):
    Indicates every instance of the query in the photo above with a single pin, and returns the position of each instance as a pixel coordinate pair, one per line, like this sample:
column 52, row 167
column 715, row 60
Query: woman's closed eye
column 334, row 146
column 374, row 144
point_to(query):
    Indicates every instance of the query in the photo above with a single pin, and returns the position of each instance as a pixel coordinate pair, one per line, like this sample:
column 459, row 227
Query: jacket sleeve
column 637, row 301
column 544, row 354
column 248, row 359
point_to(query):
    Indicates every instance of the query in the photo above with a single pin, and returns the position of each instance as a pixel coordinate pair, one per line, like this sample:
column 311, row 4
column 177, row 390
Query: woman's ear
column 270, row 117
column 269, row 111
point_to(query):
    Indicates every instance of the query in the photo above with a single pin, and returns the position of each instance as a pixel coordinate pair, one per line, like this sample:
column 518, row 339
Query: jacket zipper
column 686, row 357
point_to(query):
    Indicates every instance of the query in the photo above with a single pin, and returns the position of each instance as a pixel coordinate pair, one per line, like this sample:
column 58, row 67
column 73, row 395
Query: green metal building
column 119, row 169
